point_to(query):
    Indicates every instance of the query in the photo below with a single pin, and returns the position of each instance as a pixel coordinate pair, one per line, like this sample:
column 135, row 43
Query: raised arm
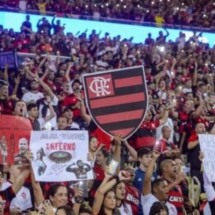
column 6, row 72
column 165, row 116
column 87, row 118
column 106, row 185
column 20, row 180
column 37, row 190
column 131, row 150
column 52, row 111
column 148, row 175
column 99, row 196
column 68, row 72
column 117, row 149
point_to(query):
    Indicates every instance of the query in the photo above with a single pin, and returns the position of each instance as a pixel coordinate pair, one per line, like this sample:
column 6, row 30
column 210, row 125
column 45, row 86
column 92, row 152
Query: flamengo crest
column 117, row 100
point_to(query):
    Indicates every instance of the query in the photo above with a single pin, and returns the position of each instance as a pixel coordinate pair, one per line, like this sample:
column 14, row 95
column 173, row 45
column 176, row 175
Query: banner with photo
column 207, row 145
column 14, row 138
column 60, row 155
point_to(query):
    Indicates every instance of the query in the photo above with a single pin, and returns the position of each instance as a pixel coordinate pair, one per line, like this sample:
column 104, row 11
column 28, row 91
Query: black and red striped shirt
column 176, row 198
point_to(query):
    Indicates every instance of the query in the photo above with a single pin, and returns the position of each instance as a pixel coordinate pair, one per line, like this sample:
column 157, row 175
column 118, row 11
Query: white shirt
column 148, row 200
column 31, row 97
column 74, row 125
column 22, row 199
column 52, row 122
column 125, row 209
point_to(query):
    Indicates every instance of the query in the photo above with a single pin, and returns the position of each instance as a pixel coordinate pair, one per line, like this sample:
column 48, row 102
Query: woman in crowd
column 123, row 207
column 58, row 195
column 159, row 209
column 105, row 202
column 64, row 210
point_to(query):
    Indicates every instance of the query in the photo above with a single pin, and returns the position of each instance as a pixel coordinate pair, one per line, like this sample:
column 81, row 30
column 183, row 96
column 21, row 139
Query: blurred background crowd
column 196, row 13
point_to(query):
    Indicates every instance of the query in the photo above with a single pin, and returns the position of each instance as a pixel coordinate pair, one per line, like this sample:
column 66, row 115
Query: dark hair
column 157, row 207
column 62, row 116
column 67, row 209
column 91, row 137
column 115, row 210
column 31, row 106
column 85, row 208
column 18, row 102
column 66, row 109
column 76, row 81
column 53, row 189
column 79, row 161
column 156, row 183
column 143, row 151
column 104, row 152
column 3, row 83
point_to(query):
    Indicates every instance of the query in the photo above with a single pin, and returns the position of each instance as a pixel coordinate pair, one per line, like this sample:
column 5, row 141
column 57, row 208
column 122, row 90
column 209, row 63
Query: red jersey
column 99, row 177
column 6, row 107
column 145, row 136
column 132, row 197
column 176, row 198
column 204, row 121
column 164, row 146
column 186, row 122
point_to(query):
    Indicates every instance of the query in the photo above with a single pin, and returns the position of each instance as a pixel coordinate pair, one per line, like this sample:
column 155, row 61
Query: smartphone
column 183, row 169
column 83, row 185
column 113, row 167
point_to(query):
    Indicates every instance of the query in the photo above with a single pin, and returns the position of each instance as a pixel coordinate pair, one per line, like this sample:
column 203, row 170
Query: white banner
column 60, row 155
column 207, row 145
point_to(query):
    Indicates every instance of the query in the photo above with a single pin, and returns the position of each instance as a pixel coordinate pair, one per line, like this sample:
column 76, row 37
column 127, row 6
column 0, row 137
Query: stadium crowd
column 190, row 13
column 156, row 165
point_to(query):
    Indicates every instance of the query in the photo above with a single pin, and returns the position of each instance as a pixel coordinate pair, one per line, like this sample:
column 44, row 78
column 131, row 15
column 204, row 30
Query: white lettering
column 100, row 86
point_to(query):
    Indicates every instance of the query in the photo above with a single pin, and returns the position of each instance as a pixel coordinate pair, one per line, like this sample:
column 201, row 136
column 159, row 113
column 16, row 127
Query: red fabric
column 99, row 173
column 102, row 137
column 6, row 107
column 51, row 85
column 193, row 137
column 144, row 142
column 150, row 124
column 132, row 197
column 71, row 100
column 204, row 121
column 147, row 134
column 164, row 146
column 176, row 198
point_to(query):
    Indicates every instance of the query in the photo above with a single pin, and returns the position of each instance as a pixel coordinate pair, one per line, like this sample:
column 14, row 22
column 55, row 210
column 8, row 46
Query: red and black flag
column 117, row 99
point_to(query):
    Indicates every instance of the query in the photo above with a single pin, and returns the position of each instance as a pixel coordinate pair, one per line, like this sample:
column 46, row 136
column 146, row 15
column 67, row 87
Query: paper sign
column 207, row 145
column 60, row 155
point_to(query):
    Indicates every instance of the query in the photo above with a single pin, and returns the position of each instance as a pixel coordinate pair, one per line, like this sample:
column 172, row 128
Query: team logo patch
column 117, row 99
